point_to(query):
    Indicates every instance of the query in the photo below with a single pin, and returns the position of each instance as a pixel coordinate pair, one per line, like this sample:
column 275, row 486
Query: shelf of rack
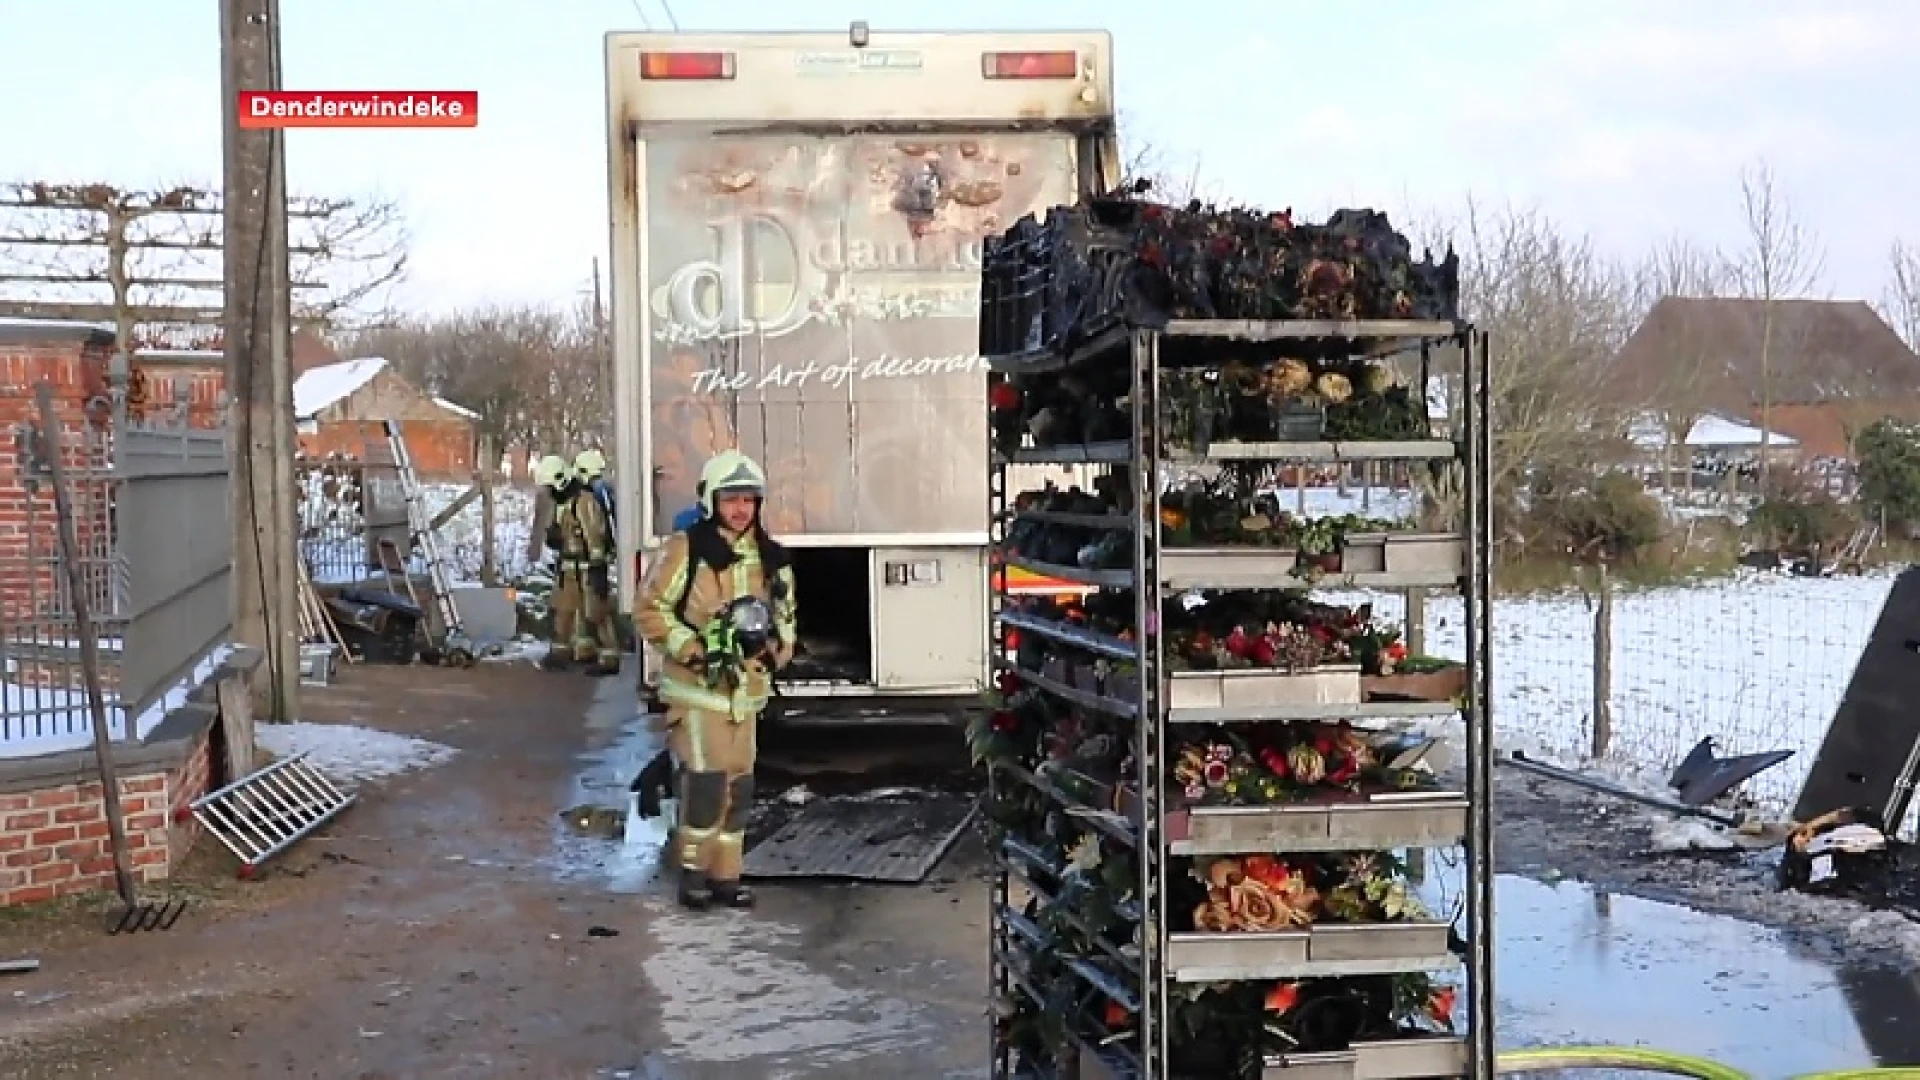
column 1255, row 568
column 1371, row 710
column 1326, row 951
column 1382, row 822
column 1366, row 337
column 1322, row 687
column 1381, row 1059
column 1120, row 452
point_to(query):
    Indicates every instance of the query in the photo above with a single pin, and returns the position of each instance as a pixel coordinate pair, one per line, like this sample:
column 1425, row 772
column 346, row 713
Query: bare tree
column 1901, row 305
column 535, row 375
column 1679, row 268
column 1782, row 260
column 1556, row 312
column 1171, row 178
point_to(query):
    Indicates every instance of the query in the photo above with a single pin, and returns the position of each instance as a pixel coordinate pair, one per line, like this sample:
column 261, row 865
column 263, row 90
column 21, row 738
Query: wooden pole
column 259, row 360
column 489, row 524
column 1603, row 667
column 52, row 450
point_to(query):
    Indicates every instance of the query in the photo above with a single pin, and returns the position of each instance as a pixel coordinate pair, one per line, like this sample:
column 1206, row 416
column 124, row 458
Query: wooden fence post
column 1603, row 667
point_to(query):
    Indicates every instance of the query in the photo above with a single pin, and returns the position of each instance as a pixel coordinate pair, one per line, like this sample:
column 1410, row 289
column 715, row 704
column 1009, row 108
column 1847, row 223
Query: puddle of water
column 1577, row 966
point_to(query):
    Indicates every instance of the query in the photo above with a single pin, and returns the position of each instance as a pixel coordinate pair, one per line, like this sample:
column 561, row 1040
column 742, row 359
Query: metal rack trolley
column 1166, row 958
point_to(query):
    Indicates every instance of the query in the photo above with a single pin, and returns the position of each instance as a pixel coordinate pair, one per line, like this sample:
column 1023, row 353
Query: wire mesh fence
column 1759, row 662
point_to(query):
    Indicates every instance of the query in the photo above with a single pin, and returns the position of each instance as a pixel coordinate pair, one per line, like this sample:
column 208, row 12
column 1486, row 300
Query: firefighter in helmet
column 557, row 486
column 719, row 605
column 596, row 639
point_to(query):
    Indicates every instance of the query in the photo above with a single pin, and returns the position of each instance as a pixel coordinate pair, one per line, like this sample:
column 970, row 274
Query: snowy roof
column 1711, row 431
column 452, row 408
column 319, row 387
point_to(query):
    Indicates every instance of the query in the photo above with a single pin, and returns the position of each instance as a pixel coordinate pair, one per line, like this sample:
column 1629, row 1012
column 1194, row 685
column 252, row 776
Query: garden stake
column 135, row 915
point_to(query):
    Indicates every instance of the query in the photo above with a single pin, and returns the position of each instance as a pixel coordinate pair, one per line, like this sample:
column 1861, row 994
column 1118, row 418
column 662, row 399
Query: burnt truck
column 797, row 227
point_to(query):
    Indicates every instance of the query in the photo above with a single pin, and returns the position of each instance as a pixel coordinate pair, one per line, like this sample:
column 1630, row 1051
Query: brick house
column 341, row 409
column 1833, row 366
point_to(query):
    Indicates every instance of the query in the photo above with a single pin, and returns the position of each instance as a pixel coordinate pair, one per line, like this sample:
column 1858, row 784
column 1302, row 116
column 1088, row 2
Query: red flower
column 1239, row 643
column 1323, row 745
column 1265, row 653
column 1004, row 721
column 1325, row 635
column 1275, row 761
column 1215, row 773
column 1440, row 1006
column 1396, row 651
column 1117, row 1016
column 1345, row 773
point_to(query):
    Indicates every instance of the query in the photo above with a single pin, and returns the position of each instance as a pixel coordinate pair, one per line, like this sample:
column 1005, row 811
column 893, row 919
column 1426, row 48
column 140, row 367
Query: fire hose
column 1640, row 1059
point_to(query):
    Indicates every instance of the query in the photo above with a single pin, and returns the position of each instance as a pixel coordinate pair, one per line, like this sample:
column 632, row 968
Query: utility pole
column 259, row 345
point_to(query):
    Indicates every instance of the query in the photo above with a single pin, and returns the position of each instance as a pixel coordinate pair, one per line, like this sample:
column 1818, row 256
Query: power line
column 667, row 7
column 645, row 23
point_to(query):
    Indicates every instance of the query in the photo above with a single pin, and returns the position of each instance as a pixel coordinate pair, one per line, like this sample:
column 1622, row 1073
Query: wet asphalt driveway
column 450, row 925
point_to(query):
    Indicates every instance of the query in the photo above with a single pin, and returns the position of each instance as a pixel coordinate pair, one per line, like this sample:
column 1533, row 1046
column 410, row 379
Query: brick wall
column 160, row 389
column 54, row 842
column 440, row 440
column 77, row 369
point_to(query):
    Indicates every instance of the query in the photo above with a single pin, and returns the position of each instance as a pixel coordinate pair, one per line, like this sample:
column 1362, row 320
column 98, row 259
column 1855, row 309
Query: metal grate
column 261, row 815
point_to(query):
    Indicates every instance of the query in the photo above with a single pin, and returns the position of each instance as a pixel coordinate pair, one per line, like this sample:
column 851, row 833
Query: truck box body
column 797, row 231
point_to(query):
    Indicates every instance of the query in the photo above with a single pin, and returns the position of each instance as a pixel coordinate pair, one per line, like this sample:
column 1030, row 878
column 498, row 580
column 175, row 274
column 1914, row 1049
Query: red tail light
column 1030, row 65
column 686, row 65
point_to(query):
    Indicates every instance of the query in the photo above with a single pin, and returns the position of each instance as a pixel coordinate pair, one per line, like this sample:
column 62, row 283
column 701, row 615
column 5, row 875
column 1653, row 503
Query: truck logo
column 717, row 298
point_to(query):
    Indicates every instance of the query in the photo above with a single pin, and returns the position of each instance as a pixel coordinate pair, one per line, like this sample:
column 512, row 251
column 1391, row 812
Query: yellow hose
column 1545, row 1058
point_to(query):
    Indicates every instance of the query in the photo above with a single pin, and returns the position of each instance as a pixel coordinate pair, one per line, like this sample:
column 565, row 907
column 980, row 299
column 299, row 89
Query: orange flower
column 1283, row 997
column 1440, row 1006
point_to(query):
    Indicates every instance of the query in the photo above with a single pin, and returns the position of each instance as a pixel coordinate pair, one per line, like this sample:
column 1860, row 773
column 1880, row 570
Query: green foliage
column 1798, row 515
column 1608, row 517
column 1888, row 456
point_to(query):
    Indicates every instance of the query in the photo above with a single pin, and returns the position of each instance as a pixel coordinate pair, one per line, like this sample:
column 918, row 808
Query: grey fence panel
column 175, row 528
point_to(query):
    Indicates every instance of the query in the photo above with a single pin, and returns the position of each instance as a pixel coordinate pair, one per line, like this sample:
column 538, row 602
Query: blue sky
column 1627, row 120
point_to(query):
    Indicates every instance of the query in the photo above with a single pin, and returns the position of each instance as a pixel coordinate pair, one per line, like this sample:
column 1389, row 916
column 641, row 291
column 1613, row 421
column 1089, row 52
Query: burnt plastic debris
column 1848, row 853
column 1049, row 283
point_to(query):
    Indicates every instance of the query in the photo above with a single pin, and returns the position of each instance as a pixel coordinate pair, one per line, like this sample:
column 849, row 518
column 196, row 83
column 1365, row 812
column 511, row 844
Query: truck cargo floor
column 894, row 837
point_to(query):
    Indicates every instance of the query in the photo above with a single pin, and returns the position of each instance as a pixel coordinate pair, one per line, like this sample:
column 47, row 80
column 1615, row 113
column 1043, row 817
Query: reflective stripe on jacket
column 708, row 592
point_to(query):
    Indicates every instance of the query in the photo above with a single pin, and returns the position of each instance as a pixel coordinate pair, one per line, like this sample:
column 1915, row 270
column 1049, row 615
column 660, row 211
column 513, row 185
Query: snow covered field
column 1759, row 662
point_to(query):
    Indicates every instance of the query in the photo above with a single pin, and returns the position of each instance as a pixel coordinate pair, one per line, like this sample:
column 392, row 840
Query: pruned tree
column 1782, row 259
column 1901, row 304
column 150, row 258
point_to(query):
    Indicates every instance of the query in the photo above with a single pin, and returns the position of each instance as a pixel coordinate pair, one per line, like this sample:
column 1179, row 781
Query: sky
column 1627, row 121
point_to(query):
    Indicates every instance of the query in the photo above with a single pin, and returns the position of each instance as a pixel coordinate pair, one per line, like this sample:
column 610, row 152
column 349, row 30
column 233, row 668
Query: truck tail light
column 1030, row 65
column 686, row 65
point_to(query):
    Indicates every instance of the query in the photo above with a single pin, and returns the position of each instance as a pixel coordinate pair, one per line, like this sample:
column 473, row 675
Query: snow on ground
column 38, row 720
column 1759, row 662
column 352, row 755
column 462, row 539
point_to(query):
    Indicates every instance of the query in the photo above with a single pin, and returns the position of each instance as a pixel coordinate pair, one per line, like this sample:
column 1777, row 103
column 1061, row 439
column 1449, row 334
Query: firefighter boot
column 694, row 892
column 731, row 894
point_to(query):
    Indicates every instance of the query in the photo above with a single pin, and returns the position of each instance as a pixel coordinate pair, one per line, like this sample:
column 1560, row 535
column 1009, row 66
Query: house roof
column 1709, row 432
column 319, row 387
column 1708, row 351
column 329, row 384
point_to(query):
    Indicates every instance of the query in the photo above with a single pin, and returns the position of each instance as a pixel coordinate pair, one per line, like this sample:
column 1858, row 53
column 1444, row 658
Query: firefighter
column 556, row 484
column 719, row 605
column 596, row 640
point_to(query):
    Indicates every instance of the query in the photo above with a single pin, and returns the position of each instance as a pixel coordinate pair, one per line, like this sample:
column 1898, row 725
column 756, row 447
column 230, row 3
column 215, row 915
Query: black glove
column 599, row 581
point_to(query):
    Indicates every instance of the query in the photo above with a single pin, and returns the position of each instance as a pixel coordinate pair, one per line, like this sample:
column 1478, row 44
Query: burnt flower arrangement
column 1056, row 284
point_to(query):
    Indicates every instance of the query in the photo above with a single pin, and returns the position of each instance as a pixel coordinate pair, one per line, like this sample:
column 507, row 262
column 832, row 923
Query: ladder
column 454, row 646
column 262, row 815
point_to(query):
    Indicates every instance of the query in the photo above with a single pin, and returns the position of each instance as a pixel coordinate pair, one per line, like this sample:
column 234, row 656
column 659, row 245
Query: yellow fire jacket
column 656, row 615
column 586, row 536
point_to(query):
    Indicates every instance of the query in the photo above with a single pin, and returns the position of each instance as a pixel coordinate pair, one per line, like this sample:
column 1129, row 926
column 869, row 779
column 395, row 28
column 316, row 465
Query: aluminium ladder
column 454, row 645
